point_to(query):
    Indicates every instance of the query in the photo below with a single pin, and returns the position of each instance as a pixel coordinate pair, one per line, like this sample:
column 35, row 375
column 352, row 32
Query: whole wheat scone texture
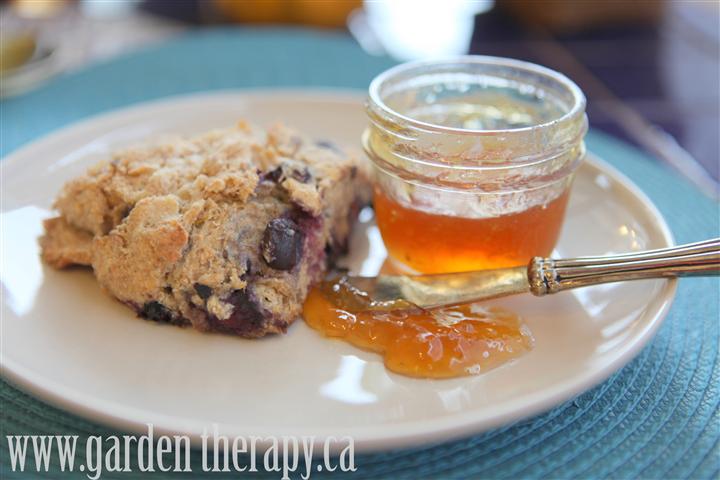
column 225, row 231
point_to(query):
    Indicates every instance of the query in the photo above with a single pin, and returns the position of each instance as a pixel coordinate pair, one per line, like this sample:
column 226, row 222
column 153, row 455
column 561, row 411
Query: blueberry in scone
column 225, row 231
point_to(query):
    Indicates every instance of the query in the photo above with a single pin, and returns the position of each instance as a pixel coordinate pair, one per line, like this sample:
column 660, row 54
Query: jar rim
column 578, row 98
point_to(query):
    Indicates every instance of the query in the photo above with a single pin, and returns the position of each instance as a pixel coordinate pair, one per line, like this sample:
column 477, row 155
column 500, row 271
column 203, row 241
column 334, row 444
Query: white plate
column 70, row 344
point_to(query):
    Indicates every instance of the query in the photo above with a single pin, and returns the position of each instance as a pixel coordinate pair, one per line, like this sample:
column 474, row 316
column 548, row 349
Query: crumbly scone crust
column 225, row 231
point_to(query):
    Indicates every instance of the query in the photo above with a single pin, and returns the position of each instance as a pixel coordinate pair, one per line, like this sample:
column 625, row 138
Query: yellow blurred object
column 38, row 8
column 327, row 14
column 15, row 51
column 322, row 13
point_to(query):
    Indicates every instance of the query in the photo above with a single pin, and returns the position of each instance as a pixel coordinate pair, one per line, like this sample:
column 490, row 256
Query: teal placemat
column 659, row 417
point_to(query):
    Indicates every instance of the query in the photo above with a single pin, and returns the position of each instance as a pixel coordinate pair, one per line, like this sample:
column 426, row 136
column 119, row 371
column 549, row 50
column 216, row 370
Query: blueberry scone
column 225, row 231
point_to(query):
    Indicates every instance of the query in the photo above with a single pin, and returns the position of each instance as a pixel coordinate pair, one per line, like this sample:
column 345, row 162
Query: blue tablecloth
column 658, row 417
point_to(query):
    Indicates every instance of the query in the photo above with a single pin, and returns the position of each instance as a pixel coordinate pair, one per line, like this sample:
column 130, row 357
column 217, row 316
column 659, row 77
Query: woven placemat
column 658, row 417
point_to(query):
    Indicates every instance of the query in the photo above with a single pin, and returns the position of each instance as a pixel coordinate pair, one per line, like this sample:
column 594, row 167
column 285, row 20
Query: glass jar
column 474, row 158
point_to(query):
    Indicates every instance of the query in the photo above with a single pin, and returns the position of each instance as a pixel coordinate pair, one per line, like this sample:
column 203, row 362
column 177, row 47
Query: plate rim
column 366, row 438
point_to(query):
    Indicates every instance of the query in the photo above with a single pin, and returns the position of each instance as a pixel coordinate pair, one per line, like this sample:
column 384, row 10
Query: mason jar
column 474, row 158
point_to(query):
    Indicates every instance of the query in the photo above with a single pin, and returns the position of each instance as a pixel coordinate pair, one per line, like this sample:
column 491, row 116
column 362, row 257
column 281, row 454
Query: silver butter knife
column 541, row 277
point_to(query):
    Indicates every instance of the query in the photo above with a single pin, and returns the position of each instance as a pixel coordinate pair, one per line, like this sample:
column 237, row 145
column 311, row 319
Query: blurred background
column 650, row 68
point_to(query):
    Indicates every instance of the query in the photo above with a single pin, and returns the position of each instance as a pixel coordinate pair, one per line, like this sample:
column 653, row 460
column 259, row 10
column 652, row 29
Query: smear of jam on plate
column 436, row 343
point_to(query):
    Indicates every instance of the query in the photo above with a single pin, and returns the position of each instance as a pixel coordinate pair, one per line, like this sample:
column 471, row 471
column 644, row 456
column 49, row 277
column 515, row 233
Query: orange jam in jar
column 474, row 158
column 507, row 240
